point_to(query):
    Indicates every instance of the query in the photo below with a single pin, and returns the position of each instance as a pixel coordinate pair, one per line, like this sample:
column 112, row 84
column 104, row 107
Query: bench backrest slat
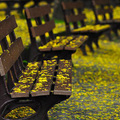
column 7, row 26
column 74, row 18
column 9, row 57
column 43, row 24
column 42, row 29
column 101, row 7
column 71, row 5
column 73, row 13
column 37, row 11
column 104, row 11
column 102, row 2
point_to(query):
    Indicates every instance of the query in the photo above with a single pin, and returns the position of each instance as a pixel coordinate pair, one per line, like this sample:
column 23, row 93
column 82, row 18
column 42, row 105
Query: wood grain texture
column 9, row 57
column 37, row 11
column 71, row 5
column 42, row 29
column 7, row 26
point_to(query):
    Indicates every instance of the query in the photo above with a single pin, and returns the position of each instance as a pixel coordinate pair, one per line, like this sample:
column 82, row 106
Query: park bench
column 40, row 25
column 103, row 8
column 40, row 85
column 75, row 23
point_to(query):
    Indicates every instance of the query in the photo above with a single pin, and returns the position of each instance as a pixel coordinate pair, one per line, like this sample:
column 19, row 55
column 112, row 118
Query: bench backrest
column 10, row 60
column 40, row 15
column 73, row 14
column 102, row 7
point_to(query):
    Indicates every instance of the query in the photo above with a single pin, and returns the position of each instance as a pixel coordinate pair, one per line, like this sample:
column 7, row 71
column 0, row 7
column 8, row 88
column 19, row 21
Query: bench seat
column 92, row 28
column 64, row 43
column 44, row 79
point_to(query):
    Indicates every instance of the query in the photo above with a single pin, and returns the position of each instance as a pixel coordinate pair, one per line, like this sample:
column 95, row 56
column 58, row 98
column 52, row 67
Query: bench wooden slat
column 71, row 5
column 9, row 57
column 63, row 78
column 102, row 2
column 75, row 18
column 50, row 45
column 77, row 42
column 62, row 43
column 37, row 11
column 42, row 29
column 104, row 11
column 65, row 43
column 7, row 26
column 26, row 81
column 45, row 79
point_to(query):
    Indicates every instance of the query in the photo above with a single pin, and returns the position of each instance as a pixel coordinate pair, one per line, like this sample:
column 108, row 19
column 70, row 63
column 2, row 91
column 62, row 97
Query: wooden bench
column 74, row 16
column 40, row 85
column 103, row 8
column 41, row 26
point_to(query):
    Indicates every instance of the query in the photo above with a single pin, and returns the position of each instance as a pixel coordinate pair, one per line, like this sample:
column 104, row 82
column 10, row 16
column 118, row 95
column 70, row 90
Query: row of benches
column 46, row 81
column 40, row 84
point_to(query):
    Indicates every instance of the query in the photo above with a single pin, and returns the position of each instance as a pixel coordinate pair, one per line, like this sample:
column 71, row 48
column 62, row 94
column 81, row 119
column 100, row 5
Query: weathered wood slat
column 75, row 18
column 102, row 2
column 75, row 43
column 63, row 78
column 104, row 11
column 71, row 5
column 45, row 79
column 7, row 26
column 9, row 57
column 42, row 29
column 38, row 11
column 50, row 45
column 26, row 81
column 62, row 43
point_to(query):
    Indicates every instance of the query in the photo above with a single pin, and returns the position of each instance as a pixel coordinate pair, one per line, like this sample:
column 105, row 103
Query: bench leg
column 82, row 47
column 116, row 32
column 89, row 43
column 47, row 102
column 108, row 34
column 96, row 42
column 46, row 117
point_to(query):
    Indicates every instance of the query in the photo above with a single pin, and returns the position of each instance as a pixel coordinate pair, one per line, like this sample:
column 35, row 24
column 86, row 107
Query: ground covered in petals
column 96, row 86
